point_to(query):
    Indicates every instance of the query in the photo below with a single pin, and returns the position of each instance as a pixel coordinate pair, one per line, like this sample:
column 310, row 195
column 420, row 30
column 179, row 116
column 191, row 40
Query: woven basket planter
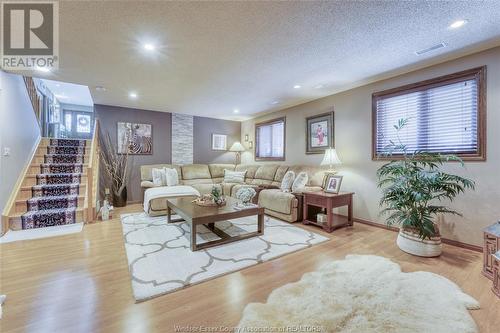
column 411, row 243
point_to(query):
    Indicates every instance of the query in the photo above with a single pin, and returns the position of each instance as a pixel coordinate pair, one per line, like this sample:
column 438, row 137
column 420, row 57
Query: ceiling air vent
column 432, row 48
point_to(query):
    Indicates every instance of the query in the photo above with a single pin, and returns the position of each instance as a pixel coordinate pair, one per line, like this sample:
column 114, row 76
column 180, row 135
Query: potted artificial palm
column 413, row 188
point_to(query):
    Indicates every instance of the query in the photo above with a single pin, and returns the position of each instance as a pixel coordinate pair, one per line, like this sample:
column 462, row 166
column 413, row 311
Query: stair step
column 15, row 221
column 59, row 158
column 26, row 193
column 35, row 169
column 22, row 207
column 46, row 142
column 31, row 180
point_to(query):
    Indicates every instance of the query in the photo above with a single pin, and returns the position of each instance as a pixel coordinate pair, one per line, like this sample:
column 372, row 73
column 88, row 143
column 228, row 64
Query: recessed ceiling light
column 100, row 88
column 274, row 102
column 42, row 69
column 132, row 95
column 297, row 86
column 319, row 86
column 458, row 24
column 149, row 47
column 236, row 111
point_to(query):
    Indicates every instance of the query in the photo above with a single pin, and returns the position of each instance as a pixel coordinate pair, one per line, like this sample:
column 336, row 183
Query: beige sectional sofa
column 202, row 177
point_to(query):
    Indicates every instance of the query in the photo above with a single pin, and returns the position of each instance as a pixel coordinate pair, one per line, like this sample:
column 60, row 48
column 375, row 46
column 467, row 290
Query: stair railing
column 34, row 97
column 93, row 176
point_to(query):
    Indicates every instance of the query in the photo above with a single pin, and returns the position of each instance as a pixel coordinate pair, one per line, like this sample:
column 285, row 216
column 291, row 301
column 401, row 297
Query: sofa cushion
column 146, row 170
column 171, row 176
column 280, row 173
column 159, row 176
column 266, row 172
column 205, row 188
column 195, row 171
column 315, row 174
column 217, row 170
column 234, row 176
column 287, row 181
column 197, row 181
column 277, row 200
column 250, row 168
column 147, row 184
column 227, row 188
column 236, row 187
column 258, row 182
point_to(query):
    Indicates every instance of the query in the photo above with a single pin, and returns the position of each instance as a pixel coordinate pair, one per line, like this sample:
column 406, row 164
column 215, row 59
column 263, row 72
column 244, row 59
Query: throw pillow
column 287, row 181
column 300, row 182
column 172, row 177
column 234, row 176
column 159, row 177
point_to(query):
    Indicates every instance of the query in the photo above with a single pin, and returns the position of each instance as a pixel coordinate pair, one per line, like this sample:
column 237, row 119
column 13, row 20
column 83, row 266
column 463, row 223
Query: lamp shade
column 237, row 146
column 331, row 157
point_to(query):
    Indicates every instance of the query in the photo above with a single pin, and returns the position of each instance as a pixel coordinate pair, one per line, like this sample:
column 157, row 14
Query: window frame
column 478, row 73
column 267, row 123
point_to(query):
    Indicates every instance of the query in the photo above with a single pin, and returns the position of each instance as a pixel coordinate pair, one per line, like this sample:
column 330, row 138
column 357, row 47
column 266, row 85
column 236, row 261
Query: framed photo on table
column 219, row 142
column 320, row 133
column 332, row 183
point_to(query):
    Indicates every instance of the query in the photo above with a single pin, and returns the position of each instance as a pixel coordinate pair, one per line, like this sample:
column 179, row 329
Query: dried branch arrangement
column 116, row 165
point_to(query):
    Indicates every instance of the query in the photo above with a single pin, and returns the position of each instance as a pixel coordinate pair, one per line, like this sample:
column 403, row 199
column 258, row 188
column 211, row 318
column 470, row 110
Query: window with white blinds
column 270, row 140
column 444, row 116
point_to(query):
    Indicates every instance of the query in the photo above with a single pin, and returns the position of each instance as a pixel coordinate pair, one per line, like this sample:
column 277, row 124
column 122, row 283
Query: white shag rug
column 365, row 294
column 37, row 233
column 160, row 260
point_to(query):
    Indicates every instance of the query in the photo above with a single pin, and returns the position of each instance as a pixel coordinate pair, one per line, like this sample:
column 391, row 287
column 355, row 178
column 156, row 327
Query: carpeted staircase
column 56, row 191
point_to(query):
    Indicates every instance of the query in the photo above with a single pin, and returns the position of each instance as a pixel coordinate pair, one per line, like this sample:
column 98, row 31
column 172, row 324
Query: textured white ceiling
column 218, row 56
column 70, row 93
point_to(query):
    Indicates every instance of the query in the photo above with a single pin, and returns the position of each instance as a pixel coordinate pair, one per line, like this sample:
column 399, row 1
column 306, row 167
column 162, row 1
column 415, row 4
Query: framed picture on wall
column 320, row 133
column 219, row 142
column 135, row 139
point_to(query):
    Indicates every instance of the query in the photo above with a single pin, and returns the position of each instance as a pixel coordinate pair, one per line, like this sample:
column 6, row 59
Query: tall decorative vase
column 120, row 198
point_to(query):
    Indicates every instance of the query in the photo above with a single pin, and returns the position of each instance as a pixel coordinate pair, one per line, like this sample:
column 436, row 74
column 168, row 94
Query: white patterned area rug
column 368, row 294
column 160, row 260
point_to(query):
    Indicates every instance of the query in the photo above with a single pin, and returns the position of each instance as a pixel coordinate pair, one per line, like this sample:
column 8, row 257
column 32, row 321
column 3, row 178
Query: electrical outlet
column 6, row 151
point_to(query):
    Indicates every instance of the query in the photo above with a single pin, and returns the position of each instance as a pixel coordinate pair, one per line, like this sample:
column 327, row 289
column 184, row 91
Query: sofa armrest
column 147, row 184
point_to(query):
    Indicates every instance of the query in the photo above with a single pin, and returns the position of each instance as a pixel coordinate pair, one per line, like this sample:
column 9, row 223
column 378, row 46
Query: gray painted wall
column 109, row 116
column 19, row 131
column 203, row 129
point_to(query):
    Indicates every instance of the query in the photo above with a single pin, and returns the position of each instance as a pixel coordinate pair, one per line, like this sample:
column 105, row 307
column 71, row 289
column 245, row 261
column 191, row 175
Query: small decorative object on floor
column 246, row 195
column 106, row 208
column 490, row 247
column 2, row 299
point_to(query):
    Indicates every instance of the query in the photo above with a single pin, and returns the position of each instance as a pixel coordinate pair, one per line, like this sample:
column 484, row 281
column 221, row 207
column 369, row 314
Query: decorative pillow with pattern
column 159, row 177
column 171, row 176
column 300, row 182
column 287, row 181
column 234, row 176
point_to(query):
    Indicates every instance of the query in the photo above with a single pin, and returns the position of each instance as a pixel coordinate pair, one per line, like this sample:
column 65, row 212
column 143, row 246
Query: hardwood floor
column 80, row 282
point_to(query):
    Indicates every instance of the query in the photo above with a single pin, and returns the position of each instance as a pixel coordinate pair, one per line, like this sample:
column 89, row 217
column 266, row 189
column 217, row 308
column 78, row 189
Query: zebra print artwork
column 135, row 138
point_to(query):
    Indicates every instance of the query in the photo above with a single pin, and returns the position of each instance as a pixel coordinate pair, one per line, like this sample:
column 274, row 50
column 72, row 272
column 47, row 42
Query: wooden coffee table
column 200, row 215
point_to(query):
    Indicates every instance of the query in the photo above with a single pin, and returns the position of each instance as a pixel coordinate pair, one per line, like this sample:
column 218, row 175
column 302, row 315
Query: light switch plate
column 6, row 151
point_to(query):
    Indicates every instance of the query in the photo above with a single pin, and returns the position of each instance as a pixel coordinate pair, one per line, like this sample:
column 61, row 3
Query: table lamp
column 238, row 148
column 331, row 158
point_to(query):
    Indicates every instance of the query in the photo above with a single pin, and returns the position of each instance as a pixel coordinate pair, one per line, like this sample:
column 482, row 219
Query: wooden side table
column 496, row 273
column 490, row 247
column 327, row 201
